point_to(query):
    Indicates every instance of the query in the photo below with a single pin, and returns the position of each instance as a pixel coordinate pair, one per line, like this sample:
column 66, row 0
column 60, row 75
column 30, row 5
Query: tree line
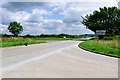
column 62, row 35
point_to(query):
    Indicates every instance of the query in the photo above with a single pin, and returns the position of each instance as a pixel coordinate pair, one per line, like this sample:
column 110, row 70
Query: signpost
column 101, row 33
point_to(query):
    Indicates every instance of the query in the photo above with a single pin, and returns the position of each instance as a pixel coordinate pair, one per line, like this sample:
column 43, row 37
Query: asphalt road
column 56, row 60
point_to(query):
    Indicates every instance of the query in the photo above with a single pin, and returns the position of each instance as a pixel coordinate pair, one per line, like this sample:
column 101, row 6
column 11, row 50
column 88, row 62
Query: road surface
column 56, row 60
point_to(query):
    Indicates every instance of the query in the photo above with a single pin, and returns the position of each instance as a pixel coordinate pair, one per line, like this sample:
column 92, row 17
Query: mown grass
column 15, row 41
column 103, row 46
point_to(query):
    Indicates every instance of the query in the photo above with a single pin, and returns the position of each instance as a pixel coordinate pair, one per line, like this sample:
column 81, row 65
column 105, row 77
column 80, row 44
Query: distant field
column 53, row 38
column 15, row 41
column 102, row 46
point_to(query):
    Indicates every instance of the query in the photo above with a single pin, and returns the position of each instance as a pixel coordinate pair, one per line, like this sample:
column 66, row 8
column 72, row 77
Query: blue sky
column 28, row 10
column 50, row 17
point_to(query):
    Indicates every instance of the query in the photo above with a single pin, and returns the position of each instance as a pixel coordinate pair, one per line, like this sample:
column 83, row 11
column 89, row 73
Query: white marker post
column 64, row 37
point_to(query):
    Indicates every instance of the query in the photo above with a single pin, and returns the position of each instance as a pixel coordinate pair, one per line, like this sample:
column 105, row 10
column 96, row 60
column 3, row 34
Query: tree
column 105, row 19
column 28, row 35
column 15, row 28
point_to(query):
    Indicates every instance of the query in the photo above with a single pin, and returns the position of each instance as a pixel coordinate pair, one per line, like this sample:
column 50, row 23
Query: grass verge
column 15, row 41
column 103, row 46
column 8, row 44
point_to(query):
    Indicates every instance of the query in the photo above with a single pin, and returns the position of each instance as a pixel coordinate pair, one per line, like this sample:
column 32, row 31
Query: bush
column 93, row 38
column 108, row 38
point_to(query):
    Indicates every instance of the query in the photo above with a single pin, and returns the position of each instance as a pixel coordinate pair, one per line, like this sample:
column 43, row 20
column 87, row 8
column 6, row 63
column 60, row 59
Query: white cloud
column 52, row 24
column 36, row 16
column 4, row 29
column 72, row 15
column 58, row 11
column 20, row 6
column 35, row 23
column 40, row 11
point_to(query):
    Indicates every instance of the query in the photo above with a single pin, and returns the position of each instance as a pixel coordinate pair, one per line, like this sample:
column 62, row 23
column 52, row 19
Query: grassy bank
column 15, row 41
column 102, row 46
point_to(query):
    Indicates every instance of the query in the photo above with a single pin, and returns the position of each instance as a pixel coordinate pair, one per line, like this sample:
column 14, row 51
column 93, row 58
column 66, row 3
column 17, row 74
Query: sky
column 49, row 17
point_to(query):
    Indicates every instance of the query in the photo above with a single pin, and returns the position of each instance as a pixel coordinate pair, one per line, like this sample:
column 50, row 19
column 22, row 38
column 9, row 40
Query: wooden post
column 103, row 37
column 97, row 38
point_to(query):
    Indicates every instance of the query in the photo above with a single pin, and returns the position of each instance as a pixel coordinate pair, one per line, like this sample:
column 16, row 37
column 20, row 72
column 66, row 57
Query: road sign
column 100, row 32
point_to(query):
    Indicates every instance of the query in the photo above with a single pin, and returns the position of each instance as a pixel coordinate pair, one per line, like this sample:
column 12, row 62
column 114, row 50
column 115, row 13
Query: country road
column 56, row 60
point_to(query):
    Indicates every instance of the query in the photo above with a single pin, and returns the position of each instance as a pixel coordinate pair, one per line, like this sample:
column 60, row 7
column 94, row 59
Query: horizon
column 45, row 34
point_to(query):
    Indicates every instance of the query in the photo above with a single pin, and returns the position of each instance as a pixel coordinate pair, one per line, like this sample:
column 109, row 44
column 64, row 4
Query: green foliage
column 15, row 28
column 105, row 19
column 28, row 35
column 55, row 36
column 108, row 38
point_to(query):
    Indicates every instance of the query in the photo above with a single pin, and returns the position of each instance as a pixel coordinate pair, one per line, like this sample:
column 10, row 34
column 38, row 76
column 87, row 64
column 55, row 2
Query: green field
column 103, row 46
column 53, row 38
column 7, row 44
column 15, row 41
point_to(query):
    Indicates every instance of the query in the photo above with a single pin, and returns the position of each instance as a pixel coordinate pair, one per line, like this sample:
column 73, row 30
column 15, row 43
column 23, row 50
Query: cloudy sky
column 49, row 17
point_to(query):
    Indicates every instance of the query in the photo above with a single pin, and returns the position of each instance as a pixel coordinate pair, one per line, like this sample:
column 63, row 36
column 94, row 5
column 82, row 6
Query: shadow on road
column 81, row 39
